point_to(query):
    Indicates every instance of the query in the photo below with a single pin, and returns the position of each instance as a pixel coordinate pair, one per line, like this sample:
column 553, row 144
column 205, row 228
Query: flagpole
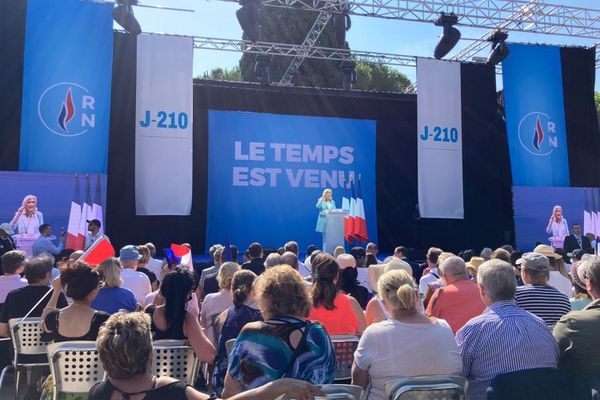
column 38, row 303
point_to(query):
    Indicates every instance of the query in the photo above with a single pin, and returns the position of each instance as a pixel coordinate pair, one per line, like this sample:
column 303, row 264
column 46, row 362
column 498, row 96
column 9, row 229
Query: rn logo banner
column 535, row 117
column 267, row 171
column 66, row 86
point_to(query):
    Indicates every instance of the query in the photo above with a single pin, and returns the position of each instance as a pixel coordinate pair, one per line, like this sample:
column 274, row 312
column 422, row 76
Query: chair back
column 434, row 387
column 335, row 391
column 538, row 384
column 75, row 366
column 175, row 359
column 344, row 346
column 229, row 346
column 26, row 335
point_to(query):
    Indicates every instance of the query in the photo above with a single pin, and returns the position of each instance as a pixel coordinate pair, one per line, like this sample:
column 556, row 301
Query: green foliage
column 597, row 101
column 221, row 74
column 380, row 77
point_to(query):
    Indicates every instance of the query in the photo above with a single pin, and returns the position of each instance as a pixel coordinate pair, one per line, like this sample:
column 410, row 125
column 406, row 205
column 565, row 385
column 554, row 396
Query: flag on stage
column 98, row 252
column 349, row 219
column 86, row 213
column 74, row 217
column 360, row 222
column 96, row 211
column 183, row 253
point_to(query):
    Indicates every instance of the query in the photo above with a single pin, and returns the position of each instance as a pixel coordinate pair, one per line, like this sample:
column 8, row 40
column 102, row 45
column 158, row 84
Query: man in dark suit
column 576, row 240
column 402, row 252
column 255, row 264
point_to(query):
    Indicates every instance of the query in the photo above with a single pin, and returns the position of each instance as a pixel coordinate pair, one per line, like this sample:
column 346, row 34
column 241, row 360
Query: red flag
column 184, row 253
column 360, row 221
column 349, row 219
column 98, row 252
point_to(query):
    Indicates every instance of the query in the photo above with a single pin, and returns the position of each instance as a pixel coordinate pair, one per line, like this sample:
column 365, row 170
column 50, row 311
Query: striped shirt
column 546, row 302
column 504, row 338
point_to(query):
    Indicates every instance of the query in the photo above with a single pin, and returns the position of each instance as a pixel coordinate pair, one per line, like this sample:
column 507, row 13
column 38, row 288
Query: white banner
column 163, row 133
column 439, row 138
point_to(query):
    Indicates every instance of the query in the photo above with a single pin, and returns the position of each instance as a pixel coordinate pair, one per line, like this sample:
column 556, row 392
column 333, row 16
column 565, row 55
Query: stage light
column 499, row 48
column 249, row 19
column 262, row 69
column 341, row 25
column 348, row 74
column 449, row 37
column 123, row 15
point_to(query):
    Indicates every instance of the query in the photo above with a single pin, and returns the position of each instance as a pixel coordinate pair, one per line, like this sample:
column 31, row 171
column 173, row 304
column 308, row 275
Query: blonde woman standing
column 324, row 203
column 27, row 219
column 407, row 344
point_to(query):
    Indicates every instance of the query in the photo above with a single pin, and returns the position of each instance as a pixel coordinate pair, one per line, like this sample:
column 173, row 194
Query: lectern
column 333, row 235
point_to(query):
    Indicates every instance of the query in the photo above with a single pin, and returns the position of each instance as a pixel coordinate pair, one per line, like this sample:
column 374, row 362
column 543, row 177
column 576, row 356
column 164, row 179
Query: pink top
column 339, row 321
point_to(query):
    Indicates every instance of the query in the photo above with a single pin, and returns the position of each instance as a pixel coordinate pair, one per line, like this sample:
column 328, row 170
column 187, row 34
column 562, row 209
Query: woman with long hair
column 215, row 303
column 27, row 219
column 324, row 203
column 339, row 313
column 172, row 321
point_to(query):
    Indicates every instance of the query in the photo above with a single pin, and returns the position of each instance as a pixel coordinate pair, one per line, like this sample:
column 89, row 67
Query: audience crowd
column 476, row 314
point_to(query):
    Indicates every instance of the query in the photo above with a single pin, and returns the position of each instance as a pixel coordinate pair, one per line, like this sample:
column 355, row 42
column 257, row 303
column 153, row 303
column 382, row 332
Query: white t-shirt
column 391, row 349
column 137, row 282
column 155, row 265
column 427, row 279
column 8, row 283
column 563, row 284
column 214, row 303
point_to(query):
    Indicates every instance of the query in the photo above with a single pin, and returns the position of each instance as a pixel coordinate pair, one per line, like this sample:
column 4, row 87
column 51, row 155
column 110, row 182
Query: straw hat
column 547, row 251
column 375, row 271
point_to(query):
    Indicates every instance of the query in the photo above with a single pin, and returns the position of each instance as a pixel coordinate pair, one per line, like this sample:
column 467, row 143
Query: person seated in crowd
column 459, row 300
column 486, row 253
column 430, row 348
column 472, row 266
column 20, row 302
column 432, row 286
column 581, row 298
column 309, row 251
column 78, row 321
column 360, row 256
column 243, row 311
column 13, row 263
column 371, row 248
column 172, row 321
column 501, row 254
column 272, row 260
column 125, row 351
column 401, row 253
column 376, row 311
column 514, row 257
column 558, row 278
column 215, row 303
column 292, row 246
column 577, row 332
column 338, row 250
column 434, row 274
column 339, row 313
column 137, row 282
column 210, row 284
column 537, row 296
column 7, row 243
column 370, row 259
column 155, row 265
column 505, row 337
column 348, row 282
column 285, row 344
column 112, row 297
column 215, row 255
column 43, row 244
column 143, row 266
column 255, row 264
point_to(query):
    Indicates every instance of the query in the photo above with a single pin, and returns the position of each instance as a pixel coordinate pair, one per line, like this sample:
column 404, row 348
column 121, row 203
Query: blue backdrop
column 267, row 171
column 535, row 116
column 66, row 86
column 533, row 208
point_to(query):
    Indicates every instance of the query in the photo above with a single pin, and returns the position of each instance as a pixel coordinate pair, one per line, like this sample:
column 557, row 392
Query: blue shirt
column 504, row 338
column 43, row 245
column 113, row 299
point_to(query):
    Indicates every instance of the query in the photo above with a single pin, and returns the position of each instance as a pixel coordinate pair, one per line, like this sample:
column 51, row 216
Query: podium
column 24, row 243
column 333, row 235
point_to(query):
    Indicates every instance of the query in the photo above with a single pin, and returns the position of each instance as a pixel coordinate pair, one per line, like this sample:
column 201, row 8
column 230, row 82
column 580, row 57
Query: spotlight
column 249, row 18
column 348, row 74
column 499, row 48
column 341, row 24
column 123, row 15
column 449, row 37
column 262, row 69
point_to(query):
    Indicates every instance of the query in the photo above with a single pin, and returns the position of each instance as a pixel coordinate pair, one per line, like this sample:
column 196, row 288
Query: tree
column 380, row 77
column 220, row 74
column 597, row 101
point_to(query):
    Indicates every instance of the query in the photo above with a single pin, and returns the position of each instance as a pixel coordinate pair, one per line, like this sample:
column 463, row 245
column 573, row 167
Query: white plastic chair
column 335, row 391
column 26, row 337
column 75, row 367
column 344, row 346
column 175, row 359
column 434, row 387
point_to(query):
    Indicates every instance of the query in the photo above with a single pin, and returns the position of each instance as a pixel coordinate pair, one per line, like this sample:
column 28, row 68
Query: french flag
column 99, row 251
column 74, row 218
column 349, row 219
column 183, row 253
column 360, row 222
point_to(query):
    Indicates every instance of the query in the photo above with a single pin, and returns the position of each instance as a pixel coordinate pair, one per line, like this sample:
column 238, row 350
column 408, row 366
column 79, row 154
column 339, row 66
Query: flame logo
column 538, row 134
column 67, row 111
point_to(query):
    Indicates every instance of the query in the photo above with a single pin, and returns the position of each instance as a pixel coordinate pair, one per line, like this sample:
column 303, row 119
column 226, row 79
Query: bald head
column 290, row 259
column 454, row 269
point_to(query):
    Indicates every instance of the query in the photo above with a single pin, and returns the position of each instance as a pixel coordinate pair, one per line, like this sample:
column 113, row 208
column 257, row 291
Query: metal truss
column 310, row 40
column 295, row 50
column 543, row 18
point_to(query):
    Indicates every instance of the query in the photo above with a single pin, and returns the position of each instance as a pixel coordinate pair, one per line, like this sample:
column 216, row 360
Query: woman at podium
column 27, row 219
column 324, row 203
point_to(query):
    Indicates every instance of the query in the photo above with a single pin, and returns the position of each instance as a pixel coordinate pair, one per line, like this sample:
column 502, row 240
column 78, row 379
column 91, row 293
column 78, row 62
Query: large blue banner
column 267, row 171
column 66, row 86
column 535, row 117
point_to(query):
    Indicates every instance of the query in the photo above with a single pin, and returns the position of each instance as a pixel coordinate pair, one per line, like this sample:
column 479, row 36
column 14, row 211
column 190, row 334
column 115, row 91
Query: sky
column 217, row 19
